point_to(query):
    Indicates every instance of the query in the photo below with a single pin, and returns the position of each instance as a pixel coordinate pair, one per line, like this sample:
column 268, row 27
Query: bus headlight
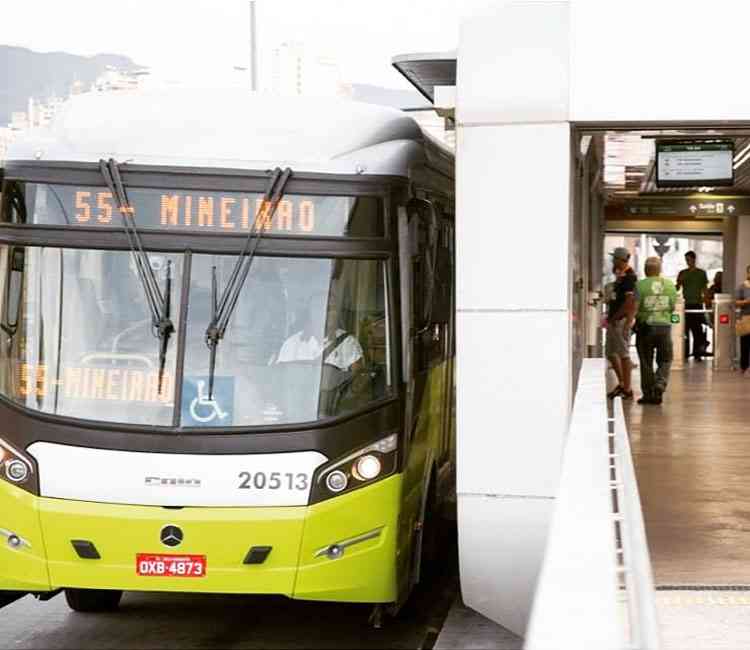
column 336, row 481
column 16, row 467
column 367, row 468
column 17, row 471
column 358, row 469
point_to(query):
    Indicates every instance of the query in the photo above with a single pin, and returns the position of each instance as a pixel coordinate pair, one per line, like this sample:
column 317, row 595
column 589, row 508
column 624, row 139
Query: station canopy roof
column 427, row 70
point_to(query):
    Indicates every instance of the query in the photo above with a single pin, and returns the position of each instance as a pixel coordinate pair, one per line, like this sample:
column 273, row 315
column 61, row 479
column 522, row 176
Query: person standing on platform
column 694, row 282
column 743, row 325
column 656, row 300
column 711, row 292
column 620, row 317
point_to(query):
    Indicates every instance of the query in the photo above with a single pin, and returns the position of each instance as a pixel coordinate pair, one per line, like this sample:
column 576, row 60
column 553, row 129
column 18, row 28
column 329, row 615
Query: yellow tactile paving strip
column 714, row 598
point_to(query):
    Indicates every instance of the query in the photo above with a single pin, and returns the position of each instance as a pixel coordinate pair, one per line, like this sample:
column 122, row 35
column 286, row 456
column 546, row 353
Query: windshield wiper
column 222, row 308
column 159, row 304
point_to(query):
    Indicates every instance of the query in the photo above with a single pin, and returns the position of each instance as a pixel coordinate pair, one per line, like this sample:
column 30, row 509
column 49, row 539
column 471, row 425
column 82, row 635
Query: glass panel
column 219, row 212
column 671, row 248
column 306, row 341
column 83, row 345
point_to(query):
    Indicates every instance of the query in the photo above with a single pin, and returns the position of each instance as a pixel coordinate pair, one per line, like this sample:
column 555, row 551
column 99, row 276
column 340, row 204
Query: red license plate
column 170, row 566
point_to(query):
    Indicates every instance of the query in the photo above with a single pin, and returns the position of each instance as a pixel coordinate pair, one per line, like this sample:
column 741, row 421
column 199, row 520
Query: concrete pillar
column 514, row 330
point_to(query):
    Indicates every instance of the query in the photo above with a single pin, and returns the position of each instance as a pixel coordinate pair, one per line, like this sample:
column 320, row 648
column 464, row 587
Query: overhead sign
column 693, row 163
column 681, row 208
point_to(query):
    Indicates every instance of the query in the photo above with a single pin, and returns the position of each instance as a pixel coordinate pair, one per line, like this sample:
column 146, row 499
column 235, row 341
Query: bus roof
column 229, row 127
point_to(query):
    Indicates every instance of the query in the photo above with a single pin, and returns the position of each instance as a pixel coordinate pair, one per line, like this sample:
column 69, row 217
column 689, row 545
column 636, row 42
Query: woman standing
column 743, row 325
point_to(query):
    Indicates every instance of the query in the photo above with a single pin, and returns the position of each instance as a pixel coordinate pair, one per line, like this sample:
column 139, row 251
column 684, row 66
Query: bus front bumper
column 37, row 554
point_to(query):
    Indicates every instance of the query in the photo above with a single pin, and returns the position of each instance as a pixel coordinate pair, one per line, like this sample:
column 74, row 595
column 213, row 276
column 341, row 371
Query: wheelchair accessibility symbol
column 199, row 410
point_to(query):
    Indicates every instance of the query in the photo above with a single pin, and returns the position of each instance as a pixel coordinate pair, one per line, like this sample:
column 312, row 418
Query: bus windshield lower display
column 183, row 210
column 308, row 339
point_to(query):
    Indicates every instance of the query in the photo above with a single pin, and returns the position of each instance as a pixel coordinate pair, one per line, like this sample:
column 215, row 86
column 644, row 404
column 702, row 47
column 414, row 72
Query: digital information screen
column 694, row 163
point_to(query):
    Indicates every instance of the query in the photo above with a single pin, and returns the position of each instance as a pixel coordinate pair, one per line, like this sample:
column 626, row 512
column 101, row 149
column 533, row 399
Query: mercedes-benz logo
column 171, row 535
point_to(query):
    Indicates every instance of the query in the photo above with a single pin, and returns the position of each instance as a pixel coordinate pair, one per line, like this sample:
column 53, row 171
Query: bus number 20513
column 273, row 481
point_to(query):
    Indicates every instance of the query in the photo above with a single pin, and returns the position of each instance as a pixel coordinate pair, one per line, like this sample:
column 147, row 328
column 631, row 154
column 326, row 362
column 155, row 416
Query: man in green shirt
column 656, row 301
column 694, row 282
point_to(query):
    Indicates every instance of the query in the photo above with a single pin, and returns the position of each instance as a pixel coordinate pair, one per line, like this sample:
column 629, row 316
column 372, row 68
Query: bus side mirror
column 442, row 304
column 13, row 290
column 424, row 235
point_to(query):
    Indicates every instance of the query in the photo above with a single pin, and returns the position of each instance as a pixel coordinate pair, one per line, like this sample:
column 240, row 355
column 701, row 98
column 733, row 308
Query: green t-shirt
column 656, row 300
column 694, row 282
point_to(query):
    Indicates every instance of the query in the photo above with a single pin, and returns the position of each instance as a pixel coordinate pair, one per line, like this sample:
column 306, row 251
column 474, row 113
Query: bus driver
column 321, row 336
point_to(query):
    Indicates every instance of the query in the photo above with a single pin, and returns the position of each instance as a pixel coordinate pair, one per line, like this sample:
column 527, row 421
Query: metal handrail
column 596, row 549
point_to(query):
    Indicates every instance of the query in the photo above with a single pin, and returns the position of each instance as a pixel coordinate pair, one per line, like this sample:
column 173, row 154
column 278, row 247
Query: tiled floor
column 704, row 620
column 692, row 459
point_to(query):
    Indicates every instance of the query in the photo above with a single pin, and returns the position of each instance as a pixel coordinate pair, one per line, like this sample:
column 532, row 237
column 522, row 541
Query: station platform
column 692, row 456
column 692, row 460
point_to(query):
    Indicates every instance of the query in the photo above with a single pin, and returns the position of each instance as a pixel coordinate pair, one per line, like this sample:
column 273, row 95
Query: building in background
column 41, row 112
column 296, row 71
column 114, row 79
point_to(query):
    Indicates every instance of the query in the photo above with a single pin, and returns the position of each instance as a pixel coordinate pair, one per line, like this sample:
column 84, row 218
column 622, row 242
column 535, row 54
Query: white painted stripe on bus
column 127, row 477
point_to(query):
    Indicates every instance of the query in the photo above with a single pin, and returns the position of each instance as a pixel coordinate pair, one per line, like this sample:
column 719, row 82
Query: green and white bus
column 226, row 349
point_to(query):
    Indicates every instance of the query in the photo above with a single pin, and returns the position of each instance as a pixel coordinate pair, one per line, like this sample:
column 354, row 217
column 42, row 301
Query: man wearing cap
column 656, row 301
column 620, row 318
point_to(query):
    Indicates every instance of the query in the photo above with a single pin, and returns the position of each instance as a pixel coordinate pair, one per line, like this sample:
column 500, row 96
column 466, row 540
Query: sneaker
column 616, row 392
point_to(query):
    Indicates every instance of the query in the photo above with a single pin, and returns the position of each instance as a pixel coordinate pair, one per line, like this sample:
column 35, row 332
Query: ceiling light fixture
column 742, row 157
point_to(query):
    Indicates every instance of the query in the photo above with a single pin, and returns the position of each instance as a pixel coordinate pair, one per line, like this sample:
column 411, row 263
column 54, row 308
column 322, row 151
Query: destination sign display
column 109, row 384
column 215, row 212
column 694, row 163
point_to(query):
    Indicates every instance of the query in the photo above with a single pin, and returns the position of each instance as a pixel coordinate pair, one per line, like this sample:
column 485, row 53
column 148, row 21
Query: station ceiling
column 629, row 169
column 629, row 176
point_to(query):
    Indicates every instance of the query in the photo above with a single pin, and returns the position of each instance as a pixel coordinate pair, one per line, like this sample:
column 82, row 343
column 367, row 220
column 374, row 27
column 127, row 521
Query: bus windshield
column 308, row 339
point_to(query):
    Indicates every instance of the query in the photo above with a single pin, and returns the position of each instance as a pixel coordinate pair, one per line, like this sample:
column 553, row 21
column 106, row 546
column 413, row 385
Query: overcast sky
column 200, row 39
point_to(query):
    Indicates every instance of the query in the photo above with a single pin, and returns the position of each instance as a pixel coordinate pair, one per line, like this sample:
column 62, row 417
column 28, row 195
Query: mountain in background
column 25, row 73
column 42, row 75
